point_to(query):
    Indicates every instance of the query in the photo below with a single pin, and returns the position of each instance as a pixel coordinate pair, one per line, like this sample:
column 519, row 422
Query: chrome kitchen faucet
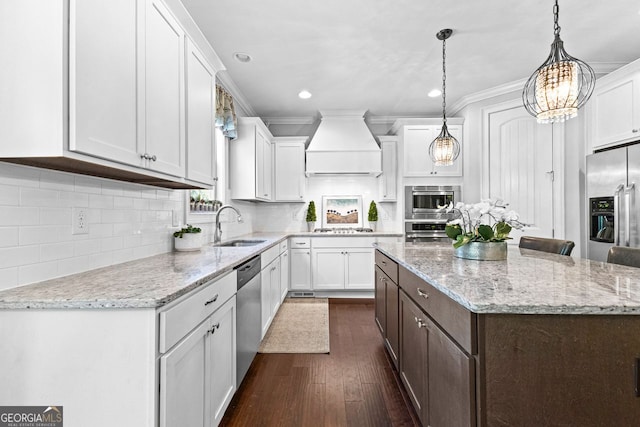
column 217, row 234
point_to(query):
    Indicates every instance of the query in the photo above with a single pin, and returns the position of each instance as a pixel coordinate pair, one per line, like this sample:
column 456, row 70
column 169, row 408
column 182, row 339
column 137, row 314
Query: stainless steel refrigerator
column 613, row 184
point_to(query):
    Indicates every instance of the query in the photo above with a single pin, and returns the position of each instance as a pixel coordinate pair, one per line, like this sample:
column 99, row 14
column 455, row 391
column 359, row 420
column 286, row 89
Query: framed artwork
column 342, row 211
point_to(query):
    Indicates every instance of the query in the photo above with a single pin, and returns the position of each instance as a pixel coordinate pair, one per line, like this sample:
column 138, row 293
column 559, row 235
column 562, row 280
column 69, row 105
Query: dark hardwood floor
column 354, row 385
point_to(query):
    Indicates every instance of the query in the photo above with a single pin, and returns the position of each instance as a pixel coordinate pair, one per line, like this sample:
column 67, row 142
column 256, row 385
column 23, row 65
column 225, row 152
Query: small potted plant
column 188, row 238
column 311, row 216
column 373, row 215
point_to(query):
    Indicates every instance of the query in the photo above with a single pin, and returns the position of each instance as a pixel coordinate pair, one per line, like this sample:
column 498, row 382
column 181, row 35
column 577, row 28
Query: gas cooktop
column 345, row 230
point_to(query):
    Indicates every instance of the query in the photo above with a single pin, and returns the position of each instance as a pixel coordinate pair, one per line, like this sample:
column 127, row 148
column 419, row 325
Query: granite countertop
column 528, row 282
column 148, row 282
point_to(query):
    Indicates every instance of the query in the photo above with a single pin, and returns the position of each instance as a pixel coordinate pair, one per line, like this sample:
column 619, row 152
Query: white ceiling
column 383, row 56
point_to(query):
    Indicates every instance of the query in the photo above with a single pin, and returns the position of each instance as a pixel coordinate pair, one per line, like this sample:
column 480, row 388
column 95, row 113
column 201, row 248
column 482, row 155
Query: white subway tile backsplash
column 86, row 247
column 54, row 251
column 123, row 202
column 54, row 180
column 100, row 201
column 73, row 199
column 9, row 237
column 55, row 216
column 112, row 188
column 23, row 176
column 126, row 221
column 9, row 195
column 88, row 184
column 111, row 244
column 100, row 230
column 38, row 197
column 19, row 255
column 42, row 234
column 37, row 272
column 10, row 215
column 8, row 278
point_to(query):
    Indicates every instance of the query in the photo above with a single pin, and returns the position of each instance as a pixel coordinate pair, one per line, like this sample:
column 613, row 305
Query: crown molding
column 303, row 120
column 600, row 69
column 239, row 100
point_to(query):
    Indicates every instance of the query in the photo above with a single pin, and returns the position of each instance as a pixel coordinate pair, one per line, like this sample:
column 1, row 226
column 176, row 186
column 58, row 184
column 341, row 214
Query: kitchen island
column 538, row 339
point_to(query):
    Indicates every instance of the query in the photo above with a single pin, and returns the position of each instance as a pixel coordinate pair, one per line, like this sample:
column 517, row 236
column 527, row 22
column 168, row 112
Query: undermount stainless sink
column 240, row 242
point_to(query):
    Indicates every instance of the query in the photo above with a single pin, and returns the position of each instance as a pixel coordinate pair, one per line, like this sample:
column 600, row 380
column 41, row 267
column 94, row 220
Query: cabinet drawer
column 387, row 265
column 343, row 242
column 457, row 321
column 187, row 313
column 284, row 245
column 269, row 255
column 300, row 242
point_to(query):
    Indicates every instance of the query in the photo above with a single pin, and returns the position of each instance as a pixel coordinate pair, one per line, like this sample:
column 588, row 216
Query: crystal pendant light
column 444, row 150
column 560, row 86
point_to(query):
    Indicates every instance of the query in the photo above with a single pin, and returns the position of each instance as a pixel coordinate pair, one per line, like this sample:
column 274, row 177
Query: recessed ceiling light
column 434, row 92
column 242, row 57
column 304, row 94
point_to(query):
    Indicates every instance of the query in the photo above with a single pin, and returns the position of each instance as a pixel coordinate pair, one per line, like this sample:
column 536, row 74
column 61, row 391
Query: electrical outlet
column 80, row 221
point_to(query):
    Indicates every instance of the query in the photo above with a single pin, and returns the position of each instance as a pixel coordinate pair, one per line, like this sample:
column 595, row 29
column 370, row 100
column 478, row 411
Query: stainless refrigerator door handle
column 627, row 209
column 616, row 215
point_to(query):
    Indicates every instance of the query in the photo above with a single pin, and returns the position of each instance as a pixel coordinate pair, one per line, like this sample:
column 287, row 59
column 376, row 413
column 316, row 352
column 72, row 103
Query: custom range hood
column 343, row 145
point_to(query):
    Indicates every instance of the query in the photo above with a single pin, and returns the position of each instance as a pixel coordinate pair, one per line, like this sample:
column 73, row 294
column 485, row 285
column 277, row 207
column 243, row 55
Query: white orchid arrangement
column 469, row 226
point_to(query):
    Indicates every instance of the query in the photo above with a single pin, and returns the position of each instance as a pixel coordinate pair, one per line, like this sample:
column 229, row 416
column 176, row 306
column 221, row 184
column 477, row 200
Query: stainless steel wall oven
column 425, row 217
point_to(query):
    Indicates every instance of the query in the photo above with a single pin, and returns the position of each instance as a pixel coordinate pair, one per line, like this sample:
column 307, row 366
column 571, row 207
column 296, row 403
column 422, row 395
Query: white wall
column 292, row 216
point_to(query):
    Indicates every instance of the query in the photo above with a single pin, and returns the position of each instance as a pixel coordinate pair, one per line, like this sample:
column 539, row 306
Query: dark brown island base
column 536, row 340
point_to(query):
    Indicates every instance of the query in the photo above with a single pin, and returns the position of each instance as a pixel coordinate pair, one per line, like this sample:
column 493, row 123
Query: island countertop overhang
column 528, row 282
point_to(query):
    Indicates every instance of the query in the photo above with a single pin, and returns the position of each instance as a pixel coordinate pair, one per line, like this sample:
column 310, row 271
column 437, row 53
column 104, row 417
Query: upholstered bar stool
column 554, row 246
column 624, row 256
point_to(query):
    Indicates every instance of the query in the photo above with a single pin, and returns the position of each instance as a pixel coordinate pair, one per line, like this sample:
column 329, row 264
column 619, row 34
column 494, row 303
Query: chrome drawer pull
column 422, row 294
column 212, row 300
column 420, row 322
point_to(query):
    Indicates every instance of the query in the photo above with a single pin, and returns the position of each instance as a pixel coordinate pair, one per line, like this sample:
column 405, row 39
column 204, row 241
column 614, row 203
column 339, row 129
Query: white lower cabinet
column 342, row 263
column 300, row 269
column 269, row 287
column 284, row 270
column 198, row 373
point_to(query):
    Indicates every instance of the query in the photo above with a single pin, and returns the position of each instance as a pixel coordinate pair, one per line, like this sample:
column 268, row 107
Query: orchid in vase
column 487, row 221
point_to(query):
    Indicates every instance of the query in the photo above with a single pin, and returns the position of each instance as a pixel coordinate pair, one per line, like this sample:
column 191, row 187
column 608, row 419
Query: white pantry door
column 521, row 168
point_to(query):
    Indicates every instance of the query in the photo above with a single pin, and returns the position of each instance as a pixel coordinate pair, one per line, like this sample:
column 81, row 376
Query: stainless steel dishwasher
column 247, row 315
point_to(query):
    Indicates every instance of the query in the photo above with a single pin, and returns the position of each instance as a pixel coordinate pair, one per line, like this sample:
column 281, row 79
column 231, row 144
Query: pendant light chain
column 444, row 81
column 556, row 26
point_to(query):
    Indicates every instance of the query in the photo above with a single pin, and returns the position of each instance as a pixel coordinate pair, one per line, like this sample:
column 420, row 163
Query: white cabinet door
column 221, row 362
column 359, row 269
column 164, row 91
column 328, row 268
column 103, row 55
column 388, row 179
column 265, row 299
column 416, row 140
column 289, row 175
column 183, row 380
column 263, row 166
column 300, row 269
column 275, row 287
column 284, row 275
column 200, row 91
column 616, row 111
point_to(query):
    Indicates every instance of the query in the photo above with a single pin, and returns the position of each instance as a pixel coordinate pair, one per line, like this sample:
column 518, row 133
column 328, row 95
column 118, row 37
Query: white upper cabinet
column 416, row 140
column 123, row 70
column 103, row 55
column 250, row 161
column 201, row 107
column 289, row 177
column 388, row 179
column 615, row 107
column 164, row 91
